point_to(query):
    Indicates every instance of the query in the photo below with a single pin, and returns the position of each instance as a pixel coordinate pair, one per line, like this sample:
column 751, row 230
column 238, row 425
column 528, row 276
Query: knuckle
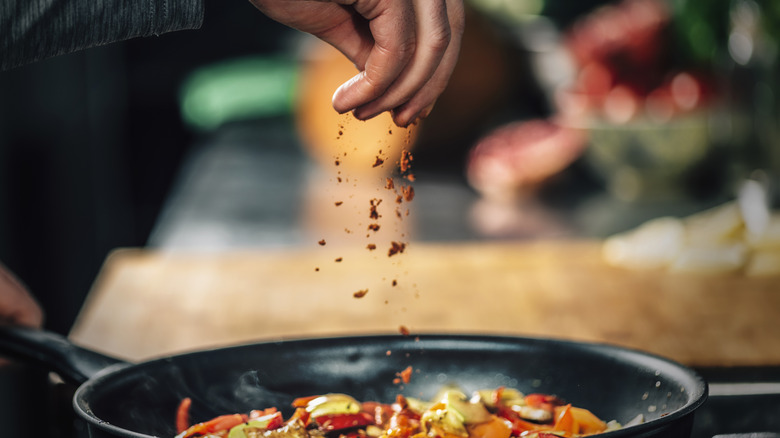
column 440, row 39
column 405, row 49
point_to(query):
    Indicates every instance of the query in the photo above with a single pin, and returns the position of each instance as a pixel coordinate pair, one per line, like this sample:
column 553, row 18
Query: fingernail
column 425, row 112
column 336, row 101
column 362, row 114
column 340, row 99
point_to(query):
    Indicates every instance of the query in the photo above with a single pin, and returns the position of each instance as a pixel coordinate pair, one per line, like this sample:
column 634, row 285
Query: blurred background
column 563, row 119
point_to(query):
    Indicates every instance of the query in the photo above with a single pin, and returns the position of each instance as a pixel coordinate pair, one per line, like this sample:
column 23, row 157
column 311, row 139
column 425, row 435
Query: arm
column 32, row 30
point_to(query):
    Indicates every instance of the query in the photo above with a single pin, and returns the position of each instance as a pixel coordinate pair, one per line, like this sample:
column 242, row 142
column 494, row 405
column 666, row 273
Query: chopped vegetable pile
column 498, row 413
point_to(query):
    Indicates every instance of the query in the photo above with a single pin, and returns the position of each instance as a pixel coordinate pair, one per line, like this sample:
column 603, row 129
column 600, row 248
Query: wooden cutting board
column 147, row 303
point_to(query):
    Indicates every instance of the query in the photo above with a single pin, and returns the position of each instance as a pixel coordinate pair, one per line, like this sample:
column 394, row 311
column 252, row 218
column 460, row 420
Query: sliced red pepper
column 257, row 413
column 380, row 411
column 276, row 422
column 543, row 401
column 401, row 426
column 343, row 421
column 497, row 395
column 183, row 415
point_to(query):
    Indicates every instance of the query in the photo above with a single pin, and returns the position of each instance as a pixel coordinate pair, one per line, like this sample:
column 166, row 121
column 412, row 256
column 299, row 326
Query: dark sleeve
column 31, row 30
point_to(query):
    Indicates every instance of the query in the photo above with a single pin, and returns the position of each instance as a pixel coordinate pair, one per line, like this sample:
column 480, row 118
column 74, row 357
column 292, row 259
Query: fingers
column 433, row 38
column 421, row 103
column 405, row 49
column 393, row 30
column 409, row 64
column 17, row 306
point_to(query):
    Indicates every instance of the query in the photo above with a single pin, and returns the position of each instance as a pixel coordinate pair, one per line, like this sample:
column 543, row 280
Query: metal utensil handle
column 73, row 363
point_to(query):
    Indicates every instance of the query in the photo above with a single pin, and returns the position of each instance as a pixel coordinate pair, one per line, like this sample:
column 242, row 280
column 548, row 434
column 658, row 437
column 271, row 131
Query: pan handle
column 73, row 363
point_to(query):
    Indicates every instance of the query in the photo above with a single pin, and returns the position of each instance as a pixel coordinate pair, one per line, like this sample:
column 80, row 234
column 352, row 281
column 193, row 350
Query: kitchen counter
column 148, row 303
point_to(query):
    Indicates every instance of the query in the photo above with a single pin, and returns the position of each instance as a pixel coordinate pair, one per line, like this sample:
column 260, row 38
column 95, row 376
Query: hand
column 405, row 50
column 17, row 306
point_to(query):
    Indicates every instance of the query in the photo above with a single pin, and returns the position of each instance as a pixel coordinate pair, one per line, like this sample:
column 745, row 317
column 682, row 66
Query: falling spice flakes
column 406, row 374
column 396, row 248
column 373, row 213
column 408, row 192
column 406, row 159
column 403, row 194
column 404, row 330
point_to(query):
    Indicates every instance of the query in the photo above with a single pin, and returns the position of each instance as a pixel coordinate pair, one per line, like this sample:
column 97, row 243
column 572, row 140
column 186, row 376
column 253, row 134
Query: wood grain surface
column 146, row 303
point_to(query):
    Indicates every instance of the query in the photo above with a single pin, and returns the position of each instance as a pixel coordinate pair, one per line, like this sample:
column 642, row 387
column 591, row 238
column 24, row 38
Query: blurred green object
column 238, row 90
column 702, row 28
column 509, row 10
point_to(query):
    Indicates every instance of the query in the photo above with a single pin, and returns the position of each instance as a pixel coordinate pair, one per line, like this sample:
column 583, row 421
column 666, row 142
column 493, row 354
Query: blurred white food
column 654, row 244
column 710, row 259
column 715, row 241
column 719, row 224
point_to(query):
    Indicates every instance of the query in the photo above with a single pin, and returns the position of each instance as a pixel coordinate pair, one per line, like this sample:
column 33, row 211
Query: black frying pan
column 120, row 399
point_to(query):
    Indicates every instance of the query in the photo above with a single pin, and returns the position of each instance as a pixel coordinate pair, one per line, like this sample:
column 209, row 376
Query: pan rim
column 697, row 393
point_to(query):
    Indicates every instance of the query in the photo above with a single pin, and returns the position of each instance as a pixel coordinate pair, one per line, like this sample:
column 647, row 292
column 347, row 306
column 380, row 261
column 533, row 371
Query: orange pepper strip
column 299, row 414
column 564, row 420
column 301, row 402
column 587, row 421
column 183, row 415
column 495, row 428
